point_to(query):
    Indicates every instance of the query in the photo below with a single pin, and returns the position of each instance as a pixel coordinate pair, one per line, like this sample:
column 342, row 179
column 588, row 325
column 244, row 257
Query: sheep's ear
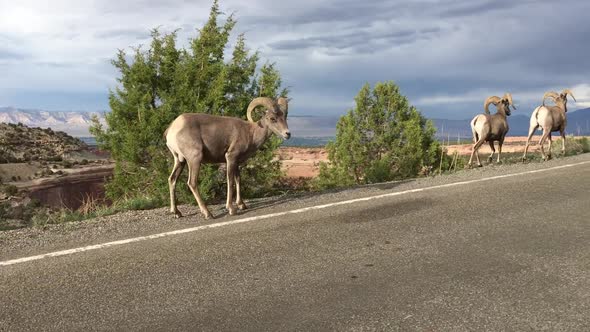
column 283, row 104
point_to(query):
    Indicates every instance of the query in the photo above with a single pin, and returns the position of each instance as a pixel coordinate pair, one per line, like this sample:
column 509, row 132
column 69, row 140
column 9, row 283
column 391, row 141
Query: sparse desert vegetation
column 19, row 143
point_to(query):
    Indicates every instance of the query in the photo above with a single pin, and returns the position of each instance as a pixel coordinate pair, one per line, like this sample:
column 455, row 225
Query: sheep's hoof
column 524, row 159
column 242, row 206
column 479, row 165
column 231, row 210
column 177, row 214
column 207, row 215
column 490, row 159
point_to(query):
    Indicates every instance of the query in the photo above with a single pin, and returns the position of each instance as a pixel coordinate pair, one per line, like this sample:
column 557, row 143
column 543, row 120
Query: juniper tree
column 382, row 138
column 163, row 81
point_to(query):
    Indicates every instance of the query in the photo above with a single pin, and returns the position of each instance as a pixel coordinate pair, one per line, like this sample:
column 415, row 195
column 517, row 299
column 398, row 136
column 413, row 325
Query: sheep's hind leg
column 475, row 152
column 532, row 130
column 176, row 171
column 194, row 166
column 231, row 173
column 542, row 143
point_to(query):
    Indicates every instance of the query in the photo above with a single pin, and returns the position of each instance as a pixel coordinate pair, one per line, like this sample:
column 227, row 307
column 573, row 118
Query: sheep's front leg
column 231, row 173
column 491, row 157
column 475, row 152
column 562, row 132
column 549, row 150
column 239, row 201
column 500, row 148
column 542, row 143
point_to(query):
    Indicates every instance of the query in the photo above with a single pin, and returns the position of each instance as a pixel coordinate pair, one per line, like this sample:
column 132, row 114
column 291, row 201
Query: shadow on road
column 287, row 197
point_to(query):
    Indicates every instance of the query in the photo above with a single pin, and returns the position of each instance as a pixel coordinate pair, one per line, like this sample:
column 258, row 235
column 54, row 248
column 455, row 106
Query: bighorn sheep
column 490, row 128
column 549, row 118
column 200, row 138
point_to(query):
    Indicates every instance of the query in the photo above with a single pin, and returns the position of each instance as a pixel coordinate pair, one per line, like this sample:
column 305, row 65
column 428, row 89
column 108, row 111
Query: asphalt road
column 508, row 254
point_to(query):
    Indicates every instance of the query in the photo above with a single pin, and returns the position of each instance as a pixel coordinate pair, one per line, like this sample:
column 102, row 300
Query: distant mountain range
column 74, row 123
column 578, row 123
column 311, row 129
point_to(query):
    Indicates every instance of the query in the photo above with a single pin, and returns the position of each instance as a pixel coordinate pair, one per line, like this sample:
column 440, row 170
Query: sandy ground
column 18, row 170
column 302, row 162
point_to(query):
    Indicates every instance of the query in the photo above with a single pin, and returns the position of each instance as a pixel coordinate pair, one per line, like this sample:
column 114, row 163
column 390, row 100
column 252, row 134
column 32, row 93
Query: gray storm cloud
column 447, row 56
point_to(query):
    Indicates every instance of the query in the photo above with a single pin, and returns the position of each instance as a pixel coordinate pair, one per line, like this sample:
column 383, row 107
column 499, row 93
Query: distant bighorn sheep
column 490, row 128
column 201, row 138
column 549, row 118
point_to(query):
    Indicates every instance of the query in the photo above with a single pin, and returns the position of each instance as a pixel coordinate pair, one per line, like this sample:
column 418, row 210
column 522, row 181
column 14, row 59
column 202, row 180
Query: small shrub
column 382, row 138
column 90, row 205
column 585, row 142
column 84, row 162
column 4, row 210
column 141, row 203
column 10, row 189
column 573, row 146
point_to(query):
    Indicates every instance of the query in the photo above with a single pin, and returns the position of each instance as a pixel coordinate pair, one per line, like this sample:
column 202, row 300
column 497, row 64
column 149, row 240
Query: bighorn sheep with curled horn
column 490, row 128
column 550, row 119
column 201, row 138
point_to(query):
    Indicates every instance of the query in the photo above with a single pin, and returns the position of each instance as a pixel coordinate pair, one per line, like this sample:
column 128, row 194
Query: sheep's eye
column 273, row 119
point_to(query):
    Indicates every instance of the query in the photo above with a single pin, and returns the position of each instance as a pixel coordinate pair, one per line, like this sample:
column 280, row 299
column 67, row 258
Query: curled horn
column 568, row 91
column 491, row 100
column 260, row 101
column 508, row 97
column 283, row 105
column 550, row 94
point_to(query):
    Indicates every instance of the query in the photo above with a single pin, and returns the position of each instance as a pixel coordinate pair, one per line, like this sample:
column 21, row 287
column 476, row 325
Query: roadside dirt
column 511, row 145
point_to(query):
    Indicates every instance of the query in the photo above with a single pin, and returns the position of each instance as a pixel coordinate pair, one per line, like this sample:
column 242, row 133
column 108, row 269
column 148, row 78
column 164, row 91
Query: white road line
column 271, row 215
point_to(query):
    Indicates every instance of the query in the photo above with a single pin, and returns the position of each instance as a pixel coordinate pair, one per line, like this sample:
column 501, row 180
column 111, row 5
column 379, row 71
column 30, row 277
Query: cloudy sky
column 446, row 55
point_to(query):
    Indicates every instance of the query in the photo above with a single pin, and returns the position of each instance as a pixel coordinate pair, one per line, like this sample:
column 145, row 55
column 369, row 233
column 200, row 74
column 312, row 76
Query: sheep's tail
column 535, row 116
column 473, row 131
